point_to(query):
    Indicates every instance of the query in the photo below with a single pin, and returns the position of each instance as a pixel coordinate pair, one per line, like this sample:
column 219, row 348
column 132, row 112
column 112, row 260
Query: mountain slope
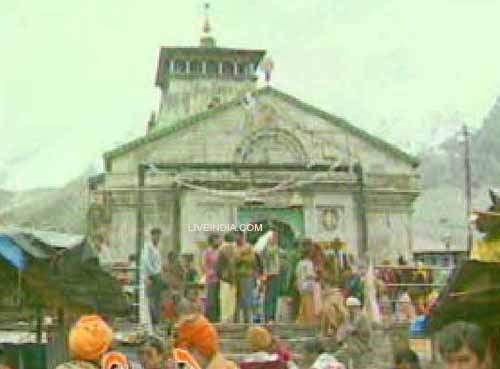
column 59, row 209
column 440, row 211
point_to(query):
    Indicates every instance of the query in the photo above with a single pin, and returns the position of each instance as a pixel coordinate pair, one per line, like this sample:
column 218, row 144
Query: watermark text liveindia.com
column 206, row 227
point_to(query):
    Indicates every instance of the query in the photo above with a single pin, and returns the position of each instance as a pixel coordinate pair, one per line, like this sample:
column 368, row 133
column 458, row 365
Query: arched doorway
column 289, row 255
column 286, row 234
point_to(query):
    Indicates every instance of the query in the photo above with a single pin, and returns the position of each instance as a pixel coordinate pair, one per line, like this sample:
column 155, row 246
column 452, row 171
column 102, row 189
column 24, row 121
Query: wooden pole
column 38, row 324
column 139, row 237
column 468, row 188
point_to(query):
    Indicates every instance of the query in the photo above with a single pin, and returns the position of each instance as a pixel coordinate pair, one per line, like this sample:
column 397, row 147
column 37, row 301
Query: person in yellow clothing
column 226, row 270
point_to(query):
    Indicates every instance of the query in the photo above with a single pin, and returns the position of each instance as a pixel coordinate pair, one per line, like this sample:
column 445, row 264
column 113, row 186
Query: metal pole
column 139, row 237
column 468, row 188
column 358, row 169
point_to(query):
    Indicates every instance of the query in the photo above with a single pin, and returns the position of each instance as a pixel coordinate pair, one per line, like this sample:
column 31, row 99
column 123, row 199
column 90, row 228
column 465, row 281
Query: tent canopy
column 64, row 275
column 472, row 294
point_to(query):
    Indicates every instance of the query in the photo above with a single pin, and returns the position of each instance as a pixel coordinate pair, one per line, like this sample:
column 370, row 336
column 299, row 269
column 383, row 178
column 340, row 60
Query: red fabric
column 284, row 353
column 264, row 365
column 169, row 310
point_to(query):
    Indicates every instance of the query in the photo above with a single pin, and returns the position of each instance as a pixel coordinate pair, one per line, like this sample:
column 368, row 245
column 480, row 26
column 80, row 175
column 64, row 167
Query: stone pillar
column 176, row 226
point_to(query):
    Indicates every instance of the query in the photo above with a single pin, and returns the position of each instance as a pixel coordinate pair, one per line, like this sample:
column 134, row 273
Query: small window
column 240, row 69
column 228, row 68
column 167, row 66
column 196, row 67
column 180, row 66
column 212, row 67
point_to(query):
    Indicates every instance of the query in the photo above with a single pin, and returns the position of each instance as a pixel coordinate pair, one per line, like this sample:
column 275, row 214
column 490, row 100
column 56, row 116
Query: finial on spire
column 206, row 26
column 207, row 40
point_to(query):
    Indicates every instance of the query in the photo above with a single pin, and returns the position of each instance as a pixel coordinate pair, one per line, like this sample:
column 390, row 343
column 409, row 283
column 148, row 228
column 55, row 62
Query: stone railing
column 404, row 182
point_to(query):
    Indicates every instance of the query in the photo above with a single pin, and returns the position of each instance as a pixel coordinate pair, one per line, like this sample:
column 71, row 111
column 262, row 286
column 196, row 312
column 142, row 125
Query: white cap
column 352, row 301
column 405, row 298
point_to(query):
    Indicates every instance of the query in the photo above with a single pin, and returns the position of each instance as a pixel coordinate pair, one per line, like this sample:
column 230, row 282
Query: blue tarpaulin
column 12, row 253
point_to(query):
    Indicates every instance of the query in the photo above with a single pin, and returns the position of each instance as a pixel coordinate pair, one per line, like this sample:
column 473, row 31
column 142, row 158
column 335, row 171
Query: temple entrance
column 286, row 235
column 289, row 223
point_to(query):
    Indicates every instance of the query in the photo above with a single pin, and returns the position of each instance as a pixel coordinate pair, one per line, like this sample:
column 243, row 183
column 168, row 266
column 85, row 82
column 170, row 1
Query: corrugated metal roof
column 51, row 238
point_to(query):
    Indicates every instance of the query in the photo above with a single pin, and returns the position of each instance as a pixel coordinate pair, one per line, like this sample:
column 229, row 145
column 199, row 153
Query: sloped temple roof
column 197, row 118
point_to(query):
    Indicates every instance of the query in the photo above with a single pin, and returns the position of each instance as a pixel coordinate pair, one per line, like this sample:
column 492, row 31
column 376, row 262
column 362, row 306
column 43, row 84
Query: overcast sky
column 77, row 77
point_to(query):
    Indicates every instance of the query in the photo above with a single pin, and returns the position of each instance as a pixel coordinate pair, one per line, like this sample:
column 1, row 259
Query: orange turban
column 259, row 339
column 184, row 356
column 114, row 359
column 90, row 338
column 198, row 333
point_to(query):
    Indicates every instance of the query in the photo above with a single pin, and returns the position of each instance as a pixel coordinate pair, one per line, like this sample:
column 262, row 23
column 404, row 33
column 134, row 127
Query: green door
column 289, row 223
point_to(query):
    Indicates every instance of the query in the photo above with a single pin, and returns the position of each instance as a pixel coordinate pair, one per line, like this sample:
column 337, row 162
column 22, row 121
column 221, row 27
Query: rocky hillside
column 58, row 209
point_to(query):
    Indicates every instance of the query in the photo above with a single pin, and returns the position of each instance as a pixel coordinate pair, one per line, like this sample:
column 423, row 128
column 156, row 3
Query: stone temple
column 221, row 151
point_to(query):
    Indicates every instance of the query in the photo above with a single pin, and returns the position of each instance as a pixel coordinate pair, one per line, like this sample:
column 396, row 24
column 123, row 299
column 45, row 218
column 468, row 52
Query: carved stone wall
column 186, row 97
column 389, row 235
column 158, row 212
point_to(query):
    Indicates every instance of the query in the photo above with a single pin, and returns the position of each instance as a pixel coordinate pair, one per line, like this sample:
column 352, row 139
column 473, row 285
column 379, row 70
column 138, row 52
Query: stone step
column 297, row 345
column 279, row 330
column 238, row 357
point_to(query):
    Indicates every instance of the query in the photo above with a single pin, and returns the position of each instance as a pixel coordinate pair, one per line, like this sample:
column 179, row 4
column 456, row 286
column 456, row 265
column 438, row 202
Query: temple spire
column 206, row 39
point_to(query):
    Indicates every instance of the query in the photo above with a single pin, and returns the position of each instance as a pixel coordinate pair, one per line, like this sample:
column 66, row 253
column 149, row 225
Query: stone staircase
column 234, row 345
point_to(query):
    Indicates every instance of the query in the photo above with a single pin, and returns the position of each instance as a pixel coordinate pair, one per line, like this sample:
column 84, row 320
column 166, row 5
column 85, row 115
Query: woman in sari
column 306, row 278
column 226, row 272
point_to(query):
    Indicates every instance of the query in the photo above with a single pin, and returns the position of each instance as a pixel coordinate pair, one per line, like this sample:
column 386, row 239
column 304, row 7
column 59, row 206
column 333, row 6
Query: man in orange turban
column 88, row 341
column 197, row 335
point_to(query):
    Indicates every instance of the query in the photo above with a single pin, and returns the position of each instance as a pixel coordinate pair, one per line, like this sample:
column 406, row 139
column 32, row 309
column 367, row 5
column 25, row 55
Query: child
column 266, row 349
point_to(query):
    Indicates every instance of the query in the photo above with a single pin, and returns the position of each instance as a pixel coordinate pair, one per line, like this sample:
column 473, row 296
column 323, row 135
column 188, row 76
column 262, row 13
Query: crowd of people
column 255, row 280
column 196, row 345
column 261, row 282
